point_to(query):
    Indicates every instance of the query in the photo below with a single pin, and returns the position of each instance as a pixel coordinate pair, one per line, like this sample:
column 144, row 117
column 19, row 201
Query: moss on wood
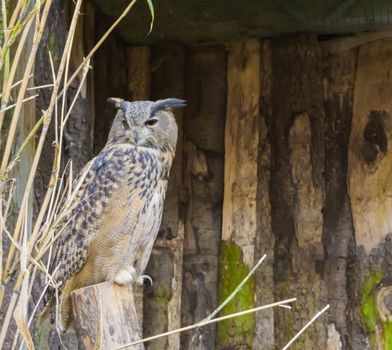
column 233, row 270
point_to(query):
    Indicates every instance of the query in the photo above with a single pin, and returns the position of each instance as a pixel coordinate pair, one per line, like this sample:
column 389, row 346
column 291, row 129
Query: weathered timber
column 139, row 80
column 265, row 240
column 338, row 232
column 78, row 129
column 370, row 191
column 110, row 69
column 139, row 75
column 162, row 301
column 105, row 316
column 296, row 188
column 239, row 219
column 204, row 124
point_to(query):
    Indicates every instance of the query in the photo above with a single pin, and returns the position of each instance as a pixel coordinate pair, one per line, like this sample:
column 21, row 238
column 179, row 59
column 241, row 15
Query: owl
column 109, row 232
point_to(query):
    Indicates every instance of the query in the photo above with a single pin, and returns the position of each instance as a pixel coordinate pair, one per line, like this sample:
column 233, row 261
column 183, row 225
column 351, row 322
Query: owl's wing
column 93, row 198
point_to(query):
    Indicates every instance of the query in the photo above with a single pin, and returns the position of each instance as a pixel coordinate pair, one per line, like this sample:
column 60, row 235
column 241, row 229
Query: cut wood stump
column 105, row 316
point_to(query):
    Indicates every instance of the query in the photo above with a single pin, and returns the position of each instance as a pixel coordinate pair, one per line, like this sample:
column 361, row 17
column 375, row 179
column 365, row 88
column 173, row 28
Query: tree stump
column 105, row 316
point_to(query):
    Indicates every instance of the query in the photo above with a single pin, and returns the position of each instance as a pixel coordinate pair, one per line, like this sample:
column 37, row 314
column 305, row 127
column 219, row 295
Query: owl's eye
column 125, row 124
column 151, row 123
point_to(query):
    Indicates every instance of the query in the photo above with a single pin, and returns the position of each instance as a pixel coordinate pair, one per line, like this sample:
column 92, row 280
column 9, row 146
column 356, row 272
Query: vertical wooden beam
column 139, row 81
column 370, row 159
column 204, row 125
column 265, row 240
column 139, row 75
column 111, row 63
column 105, row 316
column 370, row 191
column 162, row 301
column 239, row 221
column 296, row 187
column 338, row 233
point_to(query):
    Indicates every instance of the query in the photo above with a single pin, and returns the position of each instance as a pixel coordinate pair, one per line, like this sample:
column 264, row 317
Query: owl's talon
column 142, row 279
column 124, row 277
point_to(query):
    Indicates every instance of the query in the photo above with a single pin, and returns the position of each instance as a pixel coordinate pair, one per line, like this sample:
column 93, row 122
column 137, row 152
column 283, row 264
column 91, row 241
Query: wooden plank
column 239, row 221
column 139, row 75
column 204, row 124
column 265, row 241
column 162, row 301
column 339, row 70
column 105, row 316
column 370, row 159
column 296, row 187
column 139, row 79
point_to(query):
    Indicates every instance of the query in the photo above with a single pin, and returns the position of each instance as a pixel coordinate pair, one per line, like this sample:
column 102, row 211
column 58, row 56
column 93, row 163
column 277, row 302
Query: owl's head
column 146, row 123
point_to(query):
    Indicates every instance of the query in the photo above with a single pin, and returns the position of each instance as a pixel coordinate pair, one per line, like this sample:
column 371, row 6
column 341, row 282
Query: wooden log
column 139, row 76
column 105, row 316
column 265, row 240
column 339, row 69
column 139, row 79
column 370, row 159
column 204, row 124
column 239, row 221
column 162, row 301
column 296, row 187
column 370, row 191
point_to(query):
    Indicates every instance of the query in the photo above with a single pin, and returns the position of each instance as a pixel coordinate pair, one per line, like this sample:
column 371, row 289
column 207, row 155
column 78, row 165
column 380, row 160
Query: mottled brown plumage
column 111, row 230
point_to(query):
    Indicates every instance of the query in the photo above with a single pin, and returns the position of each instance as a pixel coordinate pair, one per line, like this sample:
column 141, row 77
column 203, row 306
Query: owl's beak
column 136, row 137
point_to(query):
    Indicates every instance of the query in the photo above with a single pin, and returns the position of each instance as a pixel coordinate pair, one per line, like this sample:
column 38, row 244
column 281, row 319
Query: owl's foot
column 126, row 276
column 141, row 280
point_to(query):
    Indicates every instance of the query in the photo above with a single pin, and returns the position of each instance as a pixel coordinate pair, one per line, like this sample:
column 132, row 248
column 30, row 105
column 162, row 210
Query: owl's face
column 146, row 123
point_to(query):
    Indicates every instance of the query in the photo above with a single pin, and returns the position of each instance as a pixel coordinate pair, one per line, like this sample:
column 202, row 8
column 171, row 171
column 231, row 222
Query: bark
column 203, row 176
column 110, row 68
column 265, row 240
column 139, row 81
column 105, row 316
column 162, row 301
column 296, row 188
column 369, row 179
column 239, row 221
column 338, row 232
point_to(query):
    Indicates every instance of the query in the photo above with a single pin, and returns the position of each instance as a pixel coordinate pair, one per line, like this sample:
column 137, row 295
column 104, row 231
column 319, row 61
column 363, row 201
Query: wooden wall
column 283, row 150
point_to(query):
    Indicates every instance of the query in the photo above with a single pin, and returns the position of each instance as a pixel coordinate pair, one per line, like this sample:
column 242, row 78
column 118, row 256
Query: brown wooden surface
column 139, row 80
column 105, row 316
column 239, row 216
column 204, row 120
column 162, row 301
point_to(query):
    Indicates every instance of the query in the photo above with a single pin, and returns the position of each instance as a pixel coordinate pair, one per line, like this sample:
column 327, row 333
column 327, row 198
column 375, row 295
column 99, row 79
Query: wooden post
column 239, row 222
column 204, row 124
column 139, row 81
column 162, row 301
column 105, row 316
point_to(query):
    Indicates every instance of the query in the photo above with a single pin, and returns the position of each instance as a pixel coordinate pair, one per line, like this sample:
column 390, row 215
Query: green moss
column 236, row 331
column 369, row 306
column 387, row 330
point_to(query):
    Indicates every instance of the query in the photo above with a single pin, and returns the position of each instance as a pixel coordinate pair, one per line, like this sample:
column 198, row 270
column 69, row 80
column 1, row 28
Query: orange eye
column 125, row 124
column 151, row 123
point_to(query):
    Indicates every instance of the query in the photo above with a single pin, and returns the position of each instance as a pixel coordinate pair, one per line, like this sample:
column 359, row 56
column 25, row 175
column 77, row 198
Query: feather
column 166, row 104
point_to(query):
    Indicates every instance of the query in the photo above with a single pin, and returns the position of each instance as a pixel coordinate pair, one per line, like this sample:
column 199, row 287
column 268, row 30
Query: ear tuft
column 167, row 104
column 116, row 101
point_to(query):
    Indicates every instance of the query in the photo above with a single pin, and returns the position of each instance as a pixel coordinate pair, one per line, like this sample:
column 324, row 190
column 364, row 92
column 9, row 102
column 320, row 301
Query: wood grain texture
column 162, row 301
column 239, row 217
column 297, row 186
column 105, row 316
column 204, row 124
column 370, row 157
column 139, row 81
